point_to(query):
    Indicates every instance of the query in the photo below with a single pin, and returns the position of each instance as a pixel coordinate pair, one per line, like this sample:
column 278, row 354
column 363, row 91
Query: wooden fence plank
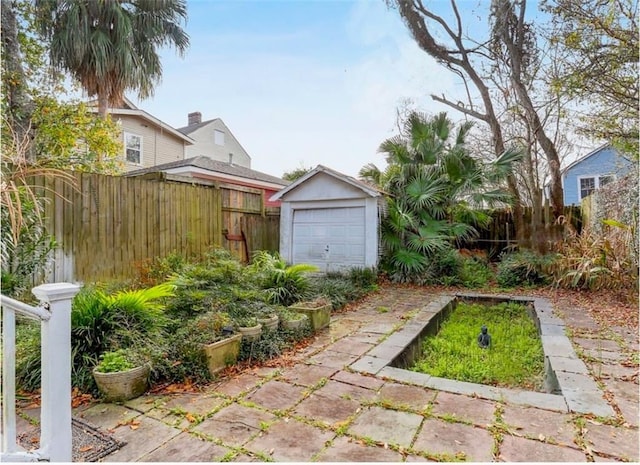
column 112, row 223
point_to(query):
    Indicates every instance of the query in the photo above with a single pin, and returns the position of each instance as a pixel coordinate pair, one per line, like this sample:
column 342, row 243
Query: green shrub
column 28, row 357
column 284, row 284
column 365, row 278
column 179, row 355
column 475, row 273
column 445, row 265
column 151, row 272
column 100, row 322
column 337, row 288
column 271, row 344
column 115, row 361
column 524, row 268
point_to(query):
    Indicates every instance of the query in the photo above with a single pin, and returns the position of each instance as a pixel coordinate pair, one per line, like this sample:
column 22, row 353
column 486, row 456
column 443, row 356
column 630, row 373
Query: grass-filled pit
column 515, row 358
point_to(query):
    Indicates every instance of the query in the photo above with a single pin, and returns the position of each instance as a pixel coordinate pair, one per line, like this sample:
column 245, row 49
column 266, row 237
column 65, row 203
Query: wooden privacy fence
column 501, row 233
column 104, row 225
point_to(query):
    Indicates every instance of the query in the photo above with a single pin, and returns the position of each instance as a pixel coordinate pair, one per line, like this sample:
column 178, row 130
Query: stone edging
column 566, row 372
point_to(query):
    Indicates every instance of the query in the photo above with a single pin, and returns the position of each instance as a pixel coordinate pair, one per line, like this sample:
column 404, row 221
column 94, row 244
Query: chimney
column 195, row 118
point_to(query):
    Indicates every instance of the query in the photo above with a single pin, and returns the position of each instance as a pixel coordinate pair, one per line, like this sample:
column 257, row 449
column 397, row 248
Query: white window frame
column 596, row 178
column 218, row 137
column 131, row 134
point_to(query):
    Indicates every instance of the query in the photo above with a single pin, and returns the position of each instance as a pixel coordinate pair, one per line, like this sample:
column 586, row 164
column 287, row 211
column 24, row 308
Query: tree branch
column 461, row 108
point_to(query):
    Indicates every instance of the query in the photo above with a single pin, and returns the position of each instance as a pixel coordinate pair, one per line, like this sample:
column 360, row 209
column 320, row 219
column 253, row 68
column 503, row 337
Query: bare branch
column 461, row 108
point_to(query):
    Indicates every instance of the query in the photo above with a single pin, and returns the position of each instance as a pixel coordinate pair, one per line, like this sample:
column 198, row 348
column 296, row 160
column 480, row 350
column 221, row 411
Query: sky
column 300, row 82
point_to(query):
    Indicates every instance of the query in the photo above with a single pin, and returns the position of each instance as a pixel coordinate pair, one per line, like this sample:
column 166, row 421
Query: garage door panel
column 341, row 229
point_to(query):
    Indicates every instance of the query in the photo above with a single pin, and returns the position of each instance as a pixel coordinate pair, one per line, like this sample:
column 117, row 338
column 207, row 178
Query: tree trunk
column 103, row 105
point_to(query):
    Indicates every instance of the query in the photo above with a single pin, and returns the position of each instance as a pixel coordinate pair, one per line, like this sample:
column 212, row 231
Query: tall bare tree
column 506, row 49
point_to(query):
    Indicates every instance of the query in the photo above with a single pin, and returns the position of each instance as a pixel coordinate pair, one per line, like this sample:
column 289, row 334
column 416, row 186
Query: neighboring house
column 147, row 140
column 213, row 139
column 203, row 167
column 330, row 220
column 592, row 171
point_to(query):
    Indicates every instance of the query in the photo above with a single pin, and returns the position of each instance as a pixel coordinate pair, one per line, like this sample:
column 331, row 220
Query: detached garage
column 330, row 220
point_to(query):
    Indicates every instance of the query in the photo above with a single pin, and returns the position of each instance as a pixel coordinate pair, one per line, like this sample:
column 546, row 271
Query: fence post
column 55, row 411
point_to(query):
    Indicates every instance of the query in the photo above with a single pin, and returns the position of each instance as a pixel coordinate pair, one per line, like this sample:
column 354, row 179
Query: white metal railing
column 54, row 313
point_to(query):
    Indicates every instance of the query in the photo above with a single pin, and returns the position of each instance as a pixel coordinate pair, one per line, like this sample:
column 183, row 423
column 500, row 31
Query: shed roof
column 366, row 188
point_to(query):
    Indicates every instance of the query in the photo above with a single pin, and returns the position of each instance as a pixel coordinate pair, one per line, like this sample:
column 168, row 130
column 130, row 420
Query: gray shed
column 330, row 220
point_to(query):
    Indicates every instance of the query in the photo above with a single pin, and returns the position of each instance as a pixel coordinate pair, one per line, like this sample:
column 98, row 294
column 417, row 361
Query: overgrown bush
column 284, row 284
column 151, row 272
column 365, row 278
column 445, row 267
column 342, row 288
column 99, row 322
column 524, row 268
column 592, row 261
column 179, row 355
column 271, row 344
column 475, row 273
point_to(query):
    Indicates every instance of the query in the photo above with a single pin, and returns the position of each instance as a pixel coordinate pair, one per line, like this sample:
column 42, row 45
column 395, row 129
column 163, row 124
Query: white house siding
column 205, row 145
column 158, row 146
column 330, row 224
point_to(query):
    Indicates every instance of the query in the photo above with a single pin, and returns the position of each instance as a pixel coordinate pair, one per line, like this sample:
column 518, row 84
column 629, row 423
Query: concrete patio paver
column 349, row 450
column 347, row 391
column 630, row 410
column 186, row 447
column 514, row 449
column 452, row 439
column 235, row 424
column 236, row 385
column 142, row 436
column 463, row 408
column 289, row 440
column 616, row 442
column 108, row 416
column 333, row 359
column 404, row 396
column 277, row 395
column 307, row 375
column 350, row 346
column 357, row 379
column 386, row 426
column 532, row 422
column 329, row 409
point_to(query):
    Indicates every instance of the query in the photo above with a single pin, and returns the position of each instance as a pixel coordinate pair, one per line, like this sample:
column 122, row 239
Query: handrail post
column 56, row 371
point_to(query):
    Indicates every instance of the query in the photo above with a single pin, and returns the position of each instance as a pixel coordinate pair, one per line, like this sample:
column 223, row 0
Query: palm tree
column 111, row 46
column 437, row 191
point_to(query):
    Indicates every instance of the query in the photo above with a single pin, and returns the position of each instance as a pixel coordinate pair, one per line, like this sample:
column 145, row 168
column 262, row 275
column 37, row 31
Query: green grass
column 515, row 358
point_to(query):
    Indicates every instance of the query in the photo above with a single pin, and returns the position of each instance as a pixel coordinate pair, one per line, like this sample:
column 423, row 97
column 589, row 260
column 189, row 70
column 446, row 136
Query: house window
column 218, row 137
column 133, row 148
column 589, row 184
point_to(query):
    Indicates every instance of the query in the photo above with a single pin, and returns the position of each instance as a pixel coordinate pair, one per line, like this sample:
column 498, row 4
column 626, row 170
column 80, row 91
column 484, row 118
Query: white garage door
column 330, row 238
